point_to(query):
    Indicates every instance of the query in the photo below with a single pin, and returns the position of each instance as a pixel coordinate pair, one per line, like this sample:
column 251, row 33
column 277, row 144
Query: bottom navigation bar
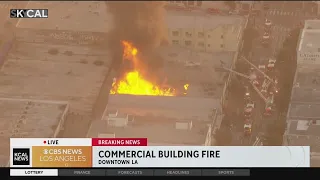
column 129, row 172
column 34, row 172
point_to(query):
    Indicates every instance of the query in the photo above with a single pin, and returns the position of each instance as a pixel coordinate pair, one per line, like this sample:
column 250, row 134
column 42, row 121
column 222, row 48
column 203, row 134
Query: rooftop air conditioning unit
column 184, row 125
column 120, row 121
column 112, row 113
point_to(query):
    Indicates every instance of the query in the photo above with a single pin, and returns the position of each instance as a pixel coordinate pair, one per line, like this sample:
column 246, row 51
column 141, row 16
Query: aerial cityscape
column 179, row 73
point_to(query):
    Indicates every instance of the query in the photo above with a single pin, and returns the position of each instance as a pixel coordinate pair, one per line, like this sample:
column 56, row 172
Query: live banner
column 135, row 152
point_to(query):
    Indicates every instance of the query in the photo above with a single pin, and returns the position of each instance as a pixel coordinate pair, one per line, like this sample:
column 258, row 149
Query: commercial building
column 205, row 33
column 61, row 59
column 303, row 118
column 218, row 5
column 27, row 118
column 308, row 50
column 191, row 119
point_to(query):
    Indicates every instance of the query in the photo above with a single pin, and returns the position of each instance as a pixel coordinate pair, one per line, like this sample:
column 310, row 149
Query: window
column 222, row 36
column 201, row 44
column 208, row 45
column 188, row 34
column 221, row 45
column 200, row 34
column 209, row 36
column 175, row 42
column 188, row 43
column 175, row 33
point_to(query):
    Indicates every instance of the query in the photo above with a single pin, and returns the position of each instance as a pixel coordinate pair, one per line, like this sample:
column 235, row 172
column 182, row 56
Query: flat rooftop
column 308, row 78
column 162, row 106
column 309, row 40
column 306, row 86
column 201, row 19
column 22, row 118
column 159, row 130
column 306, row 95
column 32, row 72
column 304, row 110
column 304, row 133
column 312, row 24
column 72, row 15
column 206, row 80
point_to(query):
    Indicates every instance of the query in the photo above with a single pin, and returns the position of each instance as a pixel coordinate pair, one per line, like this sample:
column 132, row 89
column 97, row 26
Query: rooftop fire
column 134, row 83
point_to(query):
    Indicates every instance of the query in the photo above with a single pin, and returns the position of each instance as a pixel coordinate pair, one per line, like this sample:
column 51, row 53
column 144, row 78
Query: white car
column 262, row 67
column 271, row 60
column 250, row 105
column 271, row 65
column 268, row 22
column 266, row 36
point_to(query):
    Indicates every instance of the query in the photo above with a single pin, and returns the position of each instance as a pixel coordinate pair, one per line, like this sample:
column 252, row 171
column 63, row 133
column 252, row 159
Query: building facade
column 205, row 33
column 303, row 117
column 308, row 50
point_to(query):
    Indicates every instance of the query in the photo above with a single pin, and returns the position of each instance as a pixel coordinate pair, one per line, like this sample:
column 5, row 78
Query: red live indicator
column 119, row 142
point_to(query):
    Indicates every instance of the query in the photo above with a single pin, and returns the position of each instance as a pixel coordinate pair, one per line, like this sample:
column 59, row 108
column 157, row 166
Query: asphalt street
column 260, row 56
column 288, row 14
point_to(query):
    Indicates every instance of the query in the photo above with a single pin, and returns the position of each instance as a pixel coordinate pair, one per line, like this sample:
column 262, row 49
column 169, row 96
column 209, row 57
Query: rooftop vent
column 112, row 113
column 184, row 125
column 309, row 45
column 302, row 125
column 130, row 118
column 107, row 135
column 121, row 120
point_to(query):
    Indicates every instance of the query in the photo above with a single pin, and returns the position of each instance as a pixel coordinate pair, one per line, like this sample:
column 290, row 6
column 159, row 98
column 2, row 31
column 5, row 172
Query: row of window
column 188, row 34
column 189, row 43
column 188, row 3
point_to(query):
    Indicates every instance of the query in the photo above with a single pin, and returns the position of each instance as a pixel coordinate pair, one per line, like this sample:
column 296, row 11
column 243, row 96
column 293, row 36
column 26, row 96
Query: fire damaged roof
column 23, row 118
column 72, row 15
column 160, row 130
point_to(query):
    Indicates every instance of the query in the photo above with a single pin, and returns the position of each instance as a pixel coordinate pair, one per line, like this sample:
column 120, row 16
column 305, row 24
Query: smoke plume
column 141, row 23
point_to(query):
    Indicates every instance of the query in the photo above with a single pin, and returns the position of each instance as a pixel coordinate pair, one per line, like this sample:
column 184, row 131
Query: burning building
column 176, row 103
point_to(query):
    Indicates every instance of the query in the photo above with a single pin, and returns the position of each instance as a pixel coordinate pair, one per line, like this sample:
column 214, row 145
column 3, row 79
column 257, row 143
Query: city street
column 260, row 56
column 289, row 14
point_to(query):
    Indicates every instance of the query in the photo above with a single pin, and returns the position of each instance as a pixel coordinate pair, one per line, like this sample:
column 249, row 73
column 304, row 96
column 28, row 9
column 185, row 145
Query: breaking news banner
column 29, row 13
column 134, row 153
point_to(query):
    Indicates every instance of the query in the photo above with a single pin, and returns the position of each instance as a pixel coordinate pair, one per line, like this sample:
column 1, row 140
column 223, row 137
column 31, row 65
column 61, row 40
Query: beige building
column 303, row 117
column 205, row 33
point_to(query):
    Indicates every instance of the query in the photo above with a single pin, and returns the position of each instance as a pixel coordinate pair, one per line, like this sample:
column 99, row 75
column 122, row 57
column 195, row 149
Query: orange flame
column 133, row 82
